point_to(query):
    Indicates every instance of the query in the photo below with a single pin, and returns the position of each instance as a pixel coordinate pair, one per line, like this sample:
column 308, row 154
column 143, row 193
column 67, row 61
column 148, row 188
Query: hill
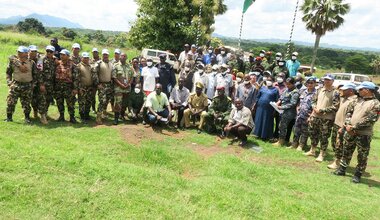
column 47, row 20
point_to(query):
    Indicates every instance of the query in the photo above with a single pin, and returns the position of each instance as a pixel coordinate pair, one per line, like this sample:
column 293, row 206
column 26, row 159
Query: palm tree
column 321, row 16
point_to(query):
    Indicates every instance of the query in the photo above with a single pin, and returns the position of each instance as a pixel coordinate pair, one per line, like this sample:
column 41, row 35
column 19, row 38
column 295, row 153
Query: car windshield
column 361, row 78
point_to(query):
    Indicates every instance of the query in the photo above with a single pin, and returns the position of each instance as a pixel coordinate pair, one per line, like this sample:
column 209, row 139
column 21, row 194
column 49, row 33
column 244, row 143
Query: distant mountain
column 302, row 43
column 46, row 20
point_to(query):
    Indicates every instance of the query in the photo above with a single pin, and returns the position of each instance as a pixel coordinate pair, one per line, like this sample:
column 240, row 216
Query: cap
column 268, row 73
column 348, row 85
column 199, row 85
column 50, row 48
column 105, row 51
column 200, row 66
column 162, row 56
column 224, row 66
column 311, row 78
column 95, row 49
column 295, row 54
column 22, row 49
column 76, row 45
column 220, row 88
column 33, row 48
column 366, row 85
column 240, row 75
column 215, row 67
column 193, row 46
column 262, row 51
column 118, row 51
column 259, row 58
column 328, row 76
column 278, row 54
column 66, row 52
column 186, row 45
column 85, row 55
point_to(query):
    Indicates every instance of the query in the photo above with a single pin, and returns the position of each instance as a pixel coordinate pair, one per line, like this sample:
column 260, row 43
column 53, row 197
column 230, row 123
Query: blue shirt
column 293, row 67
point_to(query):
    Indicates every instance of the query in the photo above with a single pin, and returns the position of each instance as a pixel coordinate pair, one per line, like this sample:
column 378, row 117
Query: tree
column 375, row 64
column 69, row 33
column 322, row 16
column 167, row 25
column 357, row 64
column 31, row 25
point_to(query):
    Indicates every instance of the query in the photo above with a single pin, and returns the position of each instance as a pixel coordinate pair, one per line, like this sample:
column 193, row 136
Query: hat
column 224, row 66
column 22, row 49
column 240, row 75
column 76, row 45
column 311, row 78
column 259, row 58
column 118, row 51
column 220, row 88
column 267, row 73
column 105, row 51
column 328, row 76
column 366, row 85
column 186, row 45
column 295, row 54
column 200, row 66
column 193, row 46
column 66, row 52
column 85, row 55
column 262, row 51
column 199, row 85
column 50, row 48
column 95, row 49
column 215, row 67
column 278, row 54
column 348, row 85
column 162, row 56
column 33, row 48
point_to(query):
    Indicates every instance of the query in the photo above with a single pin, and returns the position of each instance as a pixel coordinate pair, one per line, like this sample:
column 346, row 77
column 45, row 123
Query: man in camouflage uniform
column 301, row 130
column 95, row 58
column 75, row 57
column 86, row 84
column 35, row 56
column 280, row 68
column 103, row 73
column 122, row 75
column 66, row 85
column 361, row 117
column 347, row 95
column 116, row 57
column 288, row 102
column 219, row 111
column 21, row 75
column 325, row 103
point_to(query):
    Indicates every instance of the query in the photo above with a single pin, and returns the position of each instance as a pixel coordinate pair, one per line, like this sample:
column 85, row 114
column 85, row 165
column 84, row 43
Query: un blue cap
column 311, row 78
column 85, row 55
column 76, row 45
column 22, row 49
column 366, row 85
column 328, row 76
column 348, row 85
column 118, row 51
column 66, row 52
column 33, row 48
column 49, row 47
column 95, row 49
column 105, row 51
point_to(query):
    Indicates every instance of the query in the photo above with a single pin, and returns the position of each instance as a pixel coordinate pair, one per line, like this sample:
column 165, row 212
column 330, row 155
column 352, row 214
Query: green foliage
column 69, row 33
column 31, row 25
column 375, row 64
column 357, row 64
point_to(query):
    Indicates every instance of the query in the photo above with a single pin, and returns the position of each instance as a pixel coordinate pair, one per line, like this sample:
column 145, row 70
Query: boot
column 35, row 114
column 27, row 118
column 334, row 165
column 9, row 118
column 99, row 118
column 116, row 120
column 72, row 119
column 311, row 152
column 293, row 146
column 356, row 177
column 61, row 117
column 83, row 118
column 300, row 147
column 341, row 171
column 280, row 142
column 321, row 156
column 43, row 119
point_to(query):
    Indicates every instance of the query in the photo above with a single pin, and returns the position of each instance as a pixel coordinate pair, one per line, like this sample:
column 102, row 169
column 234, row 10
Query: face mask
column 210, row 51
column 200, row 71
column 238, row 80
column 280, row 80
column 187, row 69
column 247, row 82
column 281, row 64
column 222, row 52
column 269, row 83
column 294, row 57
column 278, row 58
column 262, row 55
column 149, row 63
column 137, row 90
column 265, row 78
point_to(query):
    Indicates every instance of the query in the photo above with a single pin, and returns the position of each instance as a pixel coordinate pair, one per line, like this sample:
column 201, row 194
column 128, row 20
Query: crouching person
column 136, row 102
column 158, row 106
column 240, row 123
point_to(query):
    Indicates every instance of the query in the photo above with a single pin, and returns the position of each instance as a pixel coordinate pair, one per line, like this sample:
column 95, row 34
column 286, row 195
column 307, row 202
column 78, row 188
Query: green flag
column 247, row 3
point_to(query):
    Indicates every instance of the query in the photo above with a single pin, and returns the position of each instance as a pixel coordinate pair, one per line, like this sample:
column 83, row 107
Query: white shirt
column 182, row 56
column 179, row 96
column 200, row 78
column 150, row 75
column 211, row 85
column 225, row 81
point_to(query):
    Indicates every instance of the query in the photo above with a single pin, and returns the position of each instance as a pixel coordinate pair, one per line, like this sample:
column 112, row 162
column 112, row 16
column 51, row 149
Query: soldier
column 267, row 61
column 95, row 58
column 103, row 74
column 75, row 57
column 86, row 84
column 288, row 102
column 21, row 75
column 116, row 57
column 361, row 117
column 324, row 103
column 33, row 55
column 280, row 68
column 198, row 103
column 347, row 95
column 66, row 85
column 301, row 131
column 122, row 75
column 218, row 113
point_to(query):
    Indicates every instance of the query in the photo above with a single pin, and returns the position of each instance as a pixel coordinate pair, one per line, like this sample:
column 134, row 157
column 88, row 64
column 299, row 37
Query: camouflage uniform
column 66, row 80
column 289, row 100
column 301, row 131
column 94, row 89
column 76, row 59
column 36, row 88
column 277, row 69
column 21, row 76
column 124, row 73
column 47, row 73
column 221, row 105
column 103, row 74
column 86, row 84
column 365, row 112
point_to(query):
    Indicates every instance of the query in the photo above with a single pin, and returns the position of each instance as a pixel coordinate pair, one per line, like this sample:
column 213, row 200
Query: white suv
column 154, row 55
column 341, row 78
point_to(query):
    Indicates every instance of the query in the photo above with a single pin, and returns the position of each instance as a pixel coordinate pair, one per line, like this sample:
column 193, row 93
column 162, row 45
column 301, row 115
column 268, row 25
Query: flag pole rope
column 241, row 28
column 291, row 31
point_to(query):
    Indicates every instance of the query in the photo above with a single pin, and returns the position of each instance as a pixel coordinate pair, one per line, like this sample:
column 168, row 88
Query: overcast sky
column 264, row 19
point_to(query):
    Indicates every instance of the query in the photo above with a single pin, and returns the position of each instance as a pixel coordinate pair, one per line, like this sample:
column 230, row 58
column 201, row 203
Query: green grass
column 62, row 171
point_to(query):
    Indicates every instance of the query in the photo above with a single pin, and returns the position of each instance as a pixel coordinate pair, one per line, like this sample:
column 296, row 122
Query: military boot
column 341, row 171
column 43, row 119
column 311, row 152
column 61, row 117
column 280, row 142
column 293, row 146
column 334, row 165
column 356, row 178
column 321, row 156
column 99, row 118
column 9, row 118
column 72, row 119
column 27, row 118
column 35, row 113
column 116, row 120
column 300, row 147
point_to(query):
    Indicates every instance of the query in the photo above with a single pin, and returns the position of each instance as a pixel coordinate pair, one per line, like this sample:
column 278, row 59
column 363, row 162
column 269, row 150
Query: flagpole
column 241, row 28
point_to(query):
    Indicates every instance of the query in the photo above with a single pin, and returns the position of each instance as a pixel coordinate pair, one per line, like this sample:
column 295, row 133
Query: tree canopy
column 31, row 25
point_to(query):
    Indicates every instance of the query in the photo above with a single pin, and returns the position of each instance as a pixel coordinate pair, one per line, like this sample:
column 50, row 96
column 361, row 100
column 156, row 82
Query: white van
column 154, row 55
column 341, row 78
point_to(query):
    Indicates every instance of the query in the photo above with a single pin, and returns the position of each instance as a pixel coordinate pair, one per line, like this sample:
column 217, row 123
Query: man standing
column 211, row 79
column 224, row 79
column 57, row 47
column 166, row 75
column 240, row 123
column 158, row 106
column 361, row 117
column 103, row 72
column 122, row 75
column 178, row 100
column 95, row 58
column 293, row 65
column 200, row 76
column 116, row 57
column 324, row 103
column 280, row 67
column 222, row 57
column 347, row 95
column 75, row 57
column 183, row 54
column 246, row 93
column 198, row 103
column 33, row 55
column 66, row 85
column 150, row 77
column 21, row 75
column 209, row 58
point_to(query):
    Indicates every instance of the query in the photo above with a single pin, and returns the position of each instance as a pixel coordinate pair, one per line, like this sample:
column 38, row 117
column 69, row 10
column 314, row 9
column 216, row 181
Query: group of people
column 264, row 96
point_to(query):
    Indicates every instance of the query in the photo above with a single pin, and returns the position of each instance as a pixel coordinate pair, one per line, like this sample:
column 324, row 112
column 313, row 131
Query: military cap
column 199, row 85
column 49, row 47
column 85, row 55
column 95, row 49
column 348, row 85
column 118, row 51
column 366, row 85
column 76, row 45
column 295, row 54
column 22, row 49
column 105, row 51
column 66, row 52
column 33, row 48
column 328, row 76
column 311, row 78
column 278, row 54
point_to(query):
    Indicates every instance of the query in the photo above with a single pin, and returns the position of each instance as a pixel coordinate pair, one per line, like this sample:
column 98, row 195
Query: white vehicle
column 341, row 78
column 154, row 55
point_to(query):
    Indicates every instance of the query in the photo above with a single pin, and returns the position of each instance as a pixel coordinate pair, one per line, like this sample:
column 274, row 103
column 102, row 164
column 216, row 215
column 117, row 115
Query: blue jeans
column 153, row 119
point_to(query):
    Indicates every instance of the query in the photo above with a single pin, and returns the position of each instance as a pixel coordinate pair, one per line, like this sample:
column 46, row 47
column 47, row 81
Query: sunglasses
column 49, row 51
